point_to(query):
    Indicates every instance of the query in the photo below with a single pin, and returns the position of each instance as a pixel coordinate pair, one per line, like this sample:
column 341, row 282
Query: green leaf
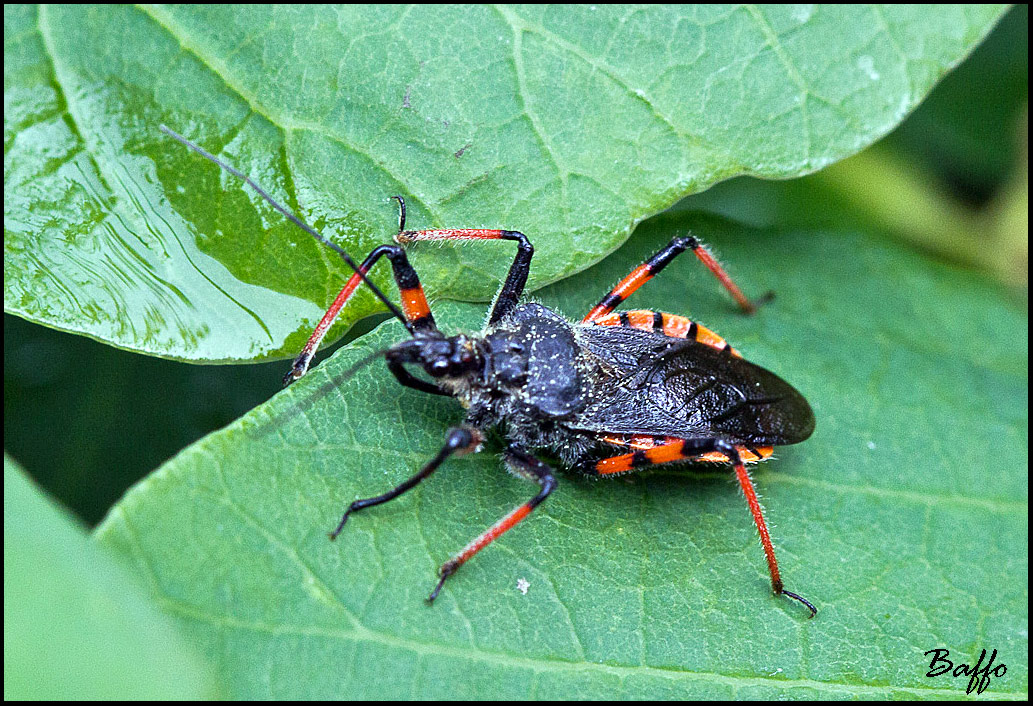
column 974, row 151
column 569, row 123
column 76, row 625
column 903, row 518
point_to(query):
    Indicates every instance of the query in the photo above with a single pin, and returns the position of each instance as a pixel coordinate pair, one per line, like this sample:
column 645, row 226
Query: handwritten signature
column 978, row 674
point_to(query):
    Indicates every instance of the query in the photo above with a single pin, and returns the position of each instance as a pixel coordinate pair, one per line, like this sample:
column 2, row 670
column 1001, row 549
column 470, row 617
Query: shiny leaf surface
column 571, row 124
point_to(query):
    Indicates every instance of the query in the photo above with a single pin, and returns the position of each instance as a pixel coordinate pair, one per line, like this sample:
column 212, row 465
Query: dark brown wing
column 678, row 387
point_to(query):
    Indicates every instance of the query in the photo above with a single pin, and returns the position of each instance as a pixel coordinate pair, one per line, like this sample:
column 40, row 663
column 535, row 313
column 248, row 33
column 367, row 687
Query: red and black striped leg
column 650, row 452
column 758, row 517
column 459, row 441
column 648, row 270
column 414, row 305
column 527, row 466
column 516, row 280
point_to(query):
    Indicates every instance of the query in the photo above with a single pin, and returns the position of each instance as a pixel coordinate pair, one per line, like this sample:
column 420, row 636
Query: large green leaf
column 569, row 123
column 903, row 518
column 76, row 625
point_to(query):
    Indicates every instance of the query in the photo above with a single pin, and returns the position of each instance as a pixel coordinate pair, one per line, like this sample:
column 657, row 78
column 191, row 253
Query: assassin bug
column 613, row 393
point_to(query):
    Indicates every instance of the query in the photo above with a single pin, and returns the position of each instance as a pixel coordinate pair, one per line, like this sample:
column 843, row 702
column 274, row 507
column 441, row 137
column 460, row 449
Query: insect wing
column 683, row 388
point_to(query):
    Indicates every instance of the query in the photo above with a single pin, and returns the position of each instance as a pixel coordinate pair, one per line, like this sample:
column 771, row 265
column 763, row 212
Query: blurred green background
column 87, row 420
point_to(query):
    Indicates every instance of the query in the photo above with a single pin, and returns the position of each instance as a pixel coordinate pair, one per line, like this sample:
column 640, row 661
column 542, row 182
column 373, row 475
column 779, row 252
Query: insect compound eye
column 437, row 367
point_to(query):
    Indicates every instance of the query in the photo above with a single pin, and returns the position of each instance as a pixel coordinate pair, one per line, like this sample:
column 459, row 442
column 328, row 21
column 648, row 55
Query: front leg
column 417, row 316
column 516, row 280
column 460, row 440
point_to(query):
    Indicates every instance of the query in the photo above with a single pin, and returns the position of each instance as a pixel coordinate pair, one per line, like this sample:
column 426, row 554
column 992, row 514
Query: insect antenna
column 294, row 219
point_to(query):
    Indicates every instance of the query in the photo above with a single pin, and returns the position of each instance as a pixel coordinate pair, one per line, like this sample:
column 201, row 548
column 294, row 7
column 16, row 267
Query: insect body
column 616, row 392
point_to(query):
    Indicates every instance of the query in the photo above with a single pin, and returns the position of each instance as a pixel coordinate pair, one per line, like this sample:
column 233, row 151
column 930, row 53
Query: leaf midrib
column 362, row 633
column 554, row 664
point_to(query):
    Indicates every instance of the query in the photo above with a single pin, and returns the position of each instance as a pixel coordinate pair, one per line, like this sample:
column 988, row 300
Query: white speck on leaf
column 802, row 13
column 867, row 64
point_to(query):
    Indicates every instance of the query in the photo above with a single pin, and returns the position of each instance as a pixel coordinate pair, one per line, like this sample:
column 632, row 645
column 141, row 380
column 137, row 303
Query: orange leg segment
column 414, row 304
column 515, row 281
column 646, row 271
column 526, row 466
column 650, row 451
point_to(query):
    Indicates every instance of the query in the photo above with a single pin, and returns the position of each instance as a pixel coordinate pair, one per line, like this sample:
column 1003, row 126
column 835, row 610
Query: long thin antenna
column 294, row 219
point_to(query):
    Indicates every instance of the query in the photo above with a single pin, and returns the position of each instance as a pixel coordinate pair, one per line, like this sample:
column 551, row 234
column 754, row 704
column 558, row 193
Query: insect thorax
column 535, row 377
